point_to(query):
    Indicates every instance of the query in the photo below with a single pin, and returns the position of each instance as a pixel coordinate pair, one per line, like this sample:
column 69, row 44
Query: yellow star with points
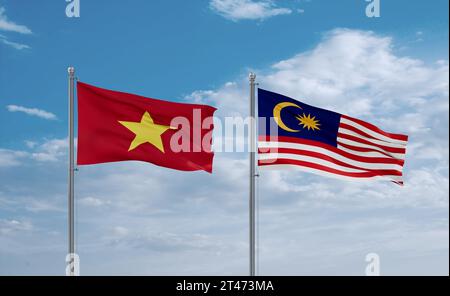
column 308, row 122
column 146, row 131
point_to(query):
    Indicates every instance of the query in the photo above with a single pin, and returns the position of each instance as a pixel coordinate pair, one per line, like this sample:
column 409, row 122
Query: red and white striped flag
column 326, row 142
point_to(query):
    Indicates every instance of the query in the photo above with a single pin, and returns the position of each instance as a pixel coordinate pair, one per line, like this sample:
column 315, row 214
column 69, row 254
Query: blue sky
column 397, row 77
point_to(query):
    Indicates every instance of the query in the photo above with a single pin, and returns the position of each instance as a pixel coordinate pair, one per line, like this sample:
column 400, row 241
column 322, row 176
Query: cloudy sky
column 136, row 218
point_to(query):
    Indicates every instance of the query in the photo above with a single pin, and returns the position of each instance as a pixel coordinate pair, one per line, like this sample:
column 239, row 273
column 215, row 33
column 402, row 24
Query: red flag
column 117, row 126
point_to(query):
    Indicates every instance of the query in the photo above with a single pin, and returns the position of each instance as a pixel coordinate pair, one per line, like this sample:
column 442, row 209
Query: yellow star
column 146, row 131
column 308, row 122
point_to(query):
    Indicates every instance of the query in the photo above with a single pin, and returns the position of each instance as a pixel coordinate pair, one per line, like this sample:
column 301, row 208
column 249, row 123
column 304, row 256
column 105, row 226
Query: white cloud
column 15, row 45
column 358, row 73
column 236, row 10
column 90, row 201
column 11, row 226
column 119, row 232
column 32, row 111
column 10, row 26
column 10, row 158
column 50, row 150
column 161, row 242
column 30, row 144
column 36, row 205
column 419, row 36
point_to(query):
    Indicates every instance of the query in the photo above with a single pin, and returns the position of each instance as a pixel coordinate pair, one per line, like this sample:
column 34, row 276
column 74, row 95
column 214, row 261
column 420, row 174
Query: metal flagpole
column 252, row 201
column 71, row 202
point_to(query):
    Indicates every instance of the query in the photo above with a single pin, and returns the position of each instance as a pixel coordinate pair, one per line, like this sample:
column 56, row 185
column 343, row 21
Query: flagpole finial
column 71, row 70
column 252, row 76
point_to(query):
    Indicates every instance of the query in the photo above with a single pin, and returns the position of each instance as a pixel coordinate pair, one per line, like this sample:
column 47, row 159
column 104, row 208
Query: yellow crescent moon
column 277, row 116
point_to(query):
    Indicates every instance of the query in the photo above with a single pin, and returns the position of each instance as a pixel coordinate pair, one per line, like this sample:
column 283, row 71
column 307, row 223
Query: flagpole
column 71, row 201
column 252, row 200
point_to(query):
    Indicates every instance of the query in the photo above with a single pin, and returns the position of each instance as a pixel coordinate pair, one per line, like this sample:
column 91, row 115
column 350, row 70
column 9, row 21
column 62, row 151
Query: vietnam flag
column 117, row 126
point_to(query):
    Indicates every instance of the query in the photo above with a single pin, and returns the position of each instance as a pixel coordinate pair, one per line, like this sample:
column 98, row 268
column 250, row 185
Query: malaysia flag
column 325, row 142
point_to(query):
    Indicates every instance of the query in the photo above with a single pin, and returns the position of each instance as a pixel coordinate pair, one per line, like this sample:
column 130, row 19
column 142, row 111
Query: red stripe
column 327, row 158
column 354, row 129
column 376, row 129
column 362, row 149
column 360, row 140
column 326, row 169
column 388, row 159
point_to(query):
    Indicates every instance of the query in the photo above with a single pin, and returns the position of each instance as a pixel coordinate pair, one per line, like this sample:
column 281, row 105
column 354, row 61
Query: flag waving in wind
column 117, row 126
column 326, row 142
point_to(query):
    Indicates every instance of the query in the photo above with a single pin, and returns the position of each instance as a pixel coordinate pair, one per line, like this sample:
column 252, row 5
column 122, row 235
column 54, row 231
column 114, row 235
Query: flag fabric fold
column 117, row 126
column 325, row 142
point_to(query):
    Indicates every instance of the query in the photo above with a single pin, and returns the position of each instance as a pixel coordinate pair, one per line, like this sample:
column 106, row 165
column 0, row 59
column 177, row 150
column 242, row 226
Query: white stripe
column 371, row 132
column 328, row 174
column 362, row 165
column 357, row 144
column 314, row 160
column 345, row 149
column 365, row 154
column 383, row 143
